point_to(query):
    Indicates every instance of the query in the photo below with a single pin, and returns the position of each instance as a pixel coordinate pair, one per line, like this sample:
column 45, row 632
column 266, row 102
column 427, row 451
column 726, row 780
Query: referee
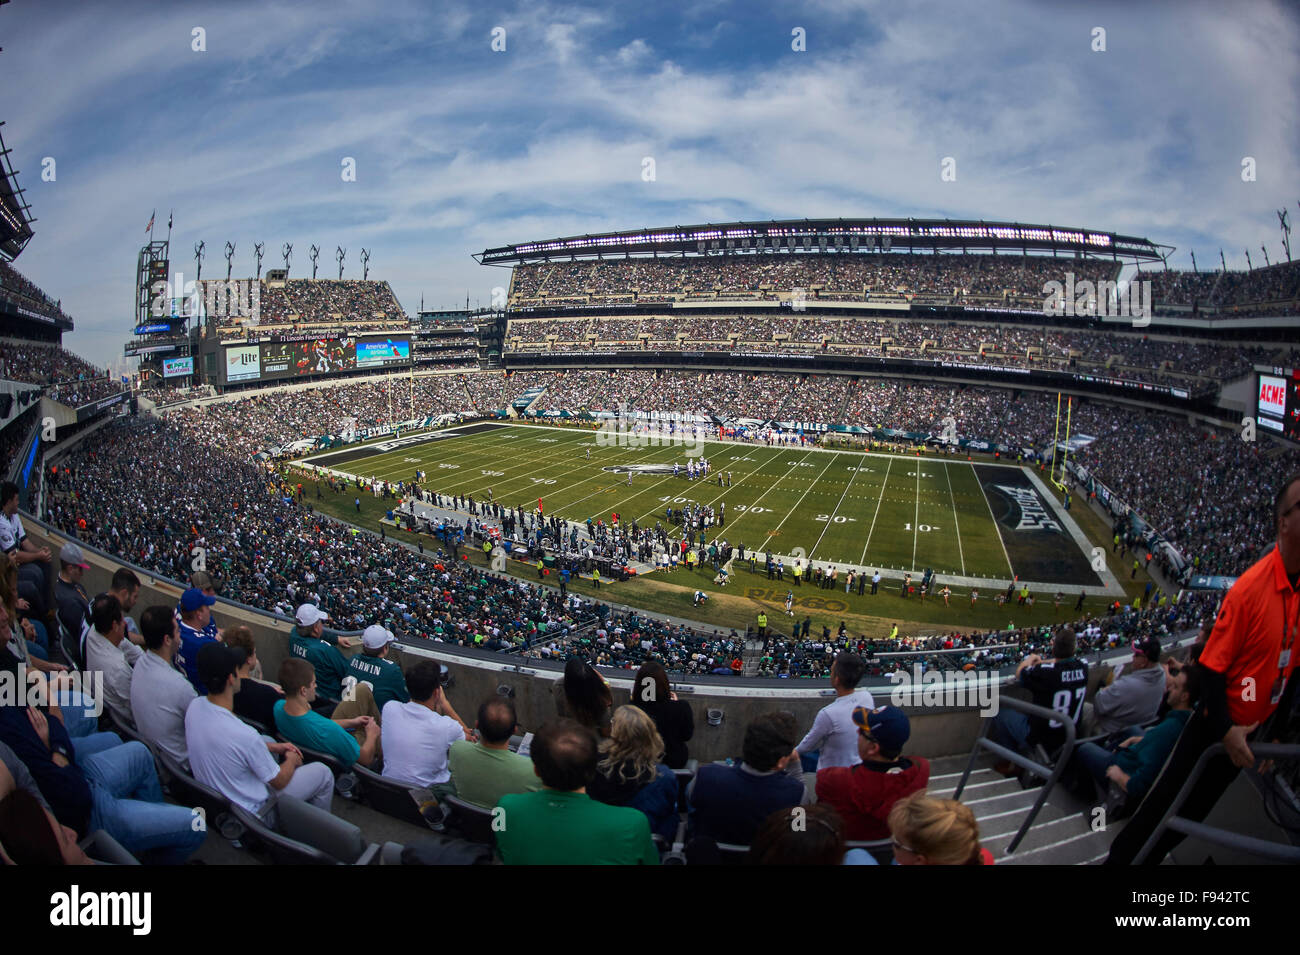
column 1246, row 663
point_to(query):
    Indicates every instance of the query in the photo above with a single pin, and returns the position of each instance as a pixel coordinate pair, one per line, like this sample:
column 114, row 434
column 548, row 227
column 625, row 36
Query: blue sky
column 459, row 148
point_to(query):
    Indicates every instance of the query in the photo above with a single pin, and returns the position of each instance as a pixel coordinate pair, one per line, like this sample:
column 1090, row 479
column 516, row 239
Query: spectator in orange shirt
column 1246, row 665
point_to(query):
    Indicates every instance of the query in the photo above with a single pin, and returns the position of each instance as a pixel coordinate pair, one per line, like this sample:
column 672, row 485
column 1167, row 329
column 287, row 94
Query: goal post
column 1058, row 477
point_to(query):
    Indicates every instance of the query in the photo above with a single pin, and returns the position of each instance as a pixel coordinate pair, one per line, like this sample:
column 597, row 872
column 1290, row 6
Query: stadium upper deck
column 836, row 235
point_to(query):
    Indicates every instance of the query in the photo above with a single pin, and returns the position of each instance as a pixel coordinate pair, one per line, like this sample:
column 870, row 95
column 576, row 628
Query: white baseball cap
column 376, row 637
column 308, row 615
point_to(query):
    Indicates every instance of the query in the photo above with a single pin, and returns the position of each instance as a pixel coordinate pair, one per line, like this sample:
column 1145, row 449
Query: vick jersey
column 1058, row 685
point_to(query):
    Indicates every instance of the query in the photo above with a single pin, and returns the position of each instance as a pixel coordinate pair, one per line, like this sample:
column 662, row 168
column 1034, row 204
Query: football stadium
column 831, row 540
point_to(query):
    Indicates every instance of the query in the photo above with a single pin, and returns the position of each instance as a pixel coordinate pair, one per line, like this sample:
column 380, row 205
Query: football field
column 977, row 524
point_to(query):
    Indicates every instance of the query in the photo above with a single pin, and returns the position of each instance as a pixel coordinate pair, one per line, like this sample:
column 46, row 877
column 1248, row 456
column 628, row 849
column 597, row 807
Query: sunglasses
column 898, row 845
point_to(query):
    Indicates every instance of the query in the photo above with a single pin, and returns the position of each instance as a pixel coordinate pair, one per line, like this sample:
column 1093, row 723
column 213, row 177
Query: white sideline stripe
column 1093, row 860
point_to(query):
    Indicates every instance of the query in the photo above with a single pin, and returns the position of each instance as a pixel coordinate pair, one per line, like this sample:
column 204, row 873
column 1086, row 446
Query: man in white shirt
column 231, row 757
column 110, row 653
column 417, row 735
column 834, row 735
column 160, row 692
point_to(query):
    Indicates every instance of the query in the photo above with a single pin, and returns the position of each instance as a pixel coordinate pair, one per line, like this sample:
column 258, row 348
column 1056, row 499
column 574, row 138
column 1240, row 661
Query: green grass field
column 891, row 512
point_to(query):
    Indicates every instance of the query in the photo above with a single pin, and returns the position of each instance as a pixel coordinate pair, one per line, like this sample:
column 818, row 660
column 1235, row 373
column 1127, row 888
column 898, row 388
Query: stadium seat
column 473, row 822
column 184, row 789
column 396, row 799
column 282, row 849
column 685, row 775
column 325, row 831
column 70, row 648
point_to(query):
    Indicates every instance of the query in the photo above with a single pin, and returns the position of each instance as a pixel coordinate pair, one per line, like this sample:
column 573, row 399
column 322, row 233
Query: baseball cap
column 888, row 726
column 1149, row 647
column 216, row 662
column 308, row 615
column 376, row 637
column 194, row 598
column 70, row 553
column 201, row 579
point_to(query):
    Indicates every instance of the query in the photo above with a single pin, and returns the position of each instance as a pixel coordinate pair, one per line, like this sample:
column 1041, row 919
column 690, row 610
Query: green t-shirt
column 557, row 828
column 330, row 665
column 482, row 776
column 384, row 676
column 316, row 732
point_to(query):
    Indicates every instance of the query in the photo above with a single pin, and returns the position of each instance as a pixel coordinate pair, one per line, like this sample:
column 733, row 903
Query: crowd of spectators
column 834, row 275
column 351, row 302
column 45, row 364
column 1129, row 356
column 1272, row 290
column 29, row 294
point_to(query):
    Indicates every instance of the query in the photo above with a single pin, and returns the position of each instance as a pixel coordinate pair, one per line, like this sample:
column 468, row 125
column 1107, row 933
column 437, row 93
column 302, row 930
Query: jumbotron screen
column 1277, row 402
column 319, row 356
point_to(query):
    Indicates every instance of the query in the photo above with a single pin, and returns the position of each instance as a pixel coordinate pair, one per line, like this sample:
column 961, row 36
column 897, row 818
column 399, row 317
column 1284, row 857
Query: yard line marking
column 953, row 498
column 813, row 550
column 796, row 503
column 916, row 519
column 1010, row 570
column 877, row 514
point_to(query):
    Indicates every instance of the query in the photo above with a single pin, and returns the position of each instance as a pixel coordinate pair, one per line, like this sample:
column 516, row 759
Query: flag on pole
column 149, row 227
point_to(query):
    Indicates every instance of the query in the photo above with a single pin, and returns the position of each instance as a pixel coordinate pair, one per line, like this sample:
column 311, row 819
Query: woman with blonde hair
column 631, row 771
column 929, row 831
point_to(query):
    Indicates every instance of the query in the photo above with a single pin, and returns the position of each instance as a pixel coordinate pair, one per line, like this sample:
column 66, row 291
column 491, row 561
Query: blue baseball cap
column 887, row 725
column 194, row 598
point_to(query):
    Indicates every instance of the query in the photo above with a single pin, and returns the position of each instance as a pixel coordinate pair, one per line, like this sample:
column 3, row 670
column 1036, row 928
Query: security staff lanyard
column 1284, row 658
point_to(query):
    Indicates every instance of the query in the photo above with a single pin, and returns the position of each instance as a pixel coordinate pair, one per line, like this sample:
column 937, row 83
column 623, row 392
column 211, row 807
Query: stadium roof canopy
column 835, row 235
column 15, row 214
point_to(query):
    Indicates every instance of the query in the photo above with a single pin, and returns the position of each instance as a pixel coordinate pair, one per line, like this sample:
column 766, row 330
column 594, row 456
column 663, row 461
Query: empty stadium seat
column 285, row 850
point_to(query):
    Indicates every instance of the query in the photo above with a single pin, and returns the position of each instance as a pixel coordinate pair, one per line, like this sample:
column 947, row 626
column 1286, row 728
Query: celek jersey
column 1058, row 685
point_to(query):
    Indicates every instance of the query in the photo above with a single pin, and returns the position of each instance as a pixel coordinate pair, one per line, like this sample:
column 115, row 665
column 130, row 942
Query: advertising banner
column 243, row 363
column 386, row 351
column 178, row 367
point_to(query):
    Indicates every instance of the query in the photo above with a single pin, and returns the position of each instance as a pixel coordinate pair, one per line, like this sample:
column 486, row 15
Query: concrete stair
column 1061, row 834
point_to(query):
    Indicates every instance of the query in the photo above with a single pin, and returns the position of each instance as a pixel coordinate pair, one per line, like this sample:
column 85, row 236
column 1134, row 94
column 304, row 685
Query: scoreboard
column 1277, row 401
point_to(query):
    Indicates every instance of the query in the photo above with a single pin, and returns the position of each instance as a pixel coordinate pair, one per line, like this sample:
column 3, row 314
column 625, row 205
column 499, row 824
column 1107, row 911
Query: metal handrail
column 1265, row 848
column 1051, row 775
